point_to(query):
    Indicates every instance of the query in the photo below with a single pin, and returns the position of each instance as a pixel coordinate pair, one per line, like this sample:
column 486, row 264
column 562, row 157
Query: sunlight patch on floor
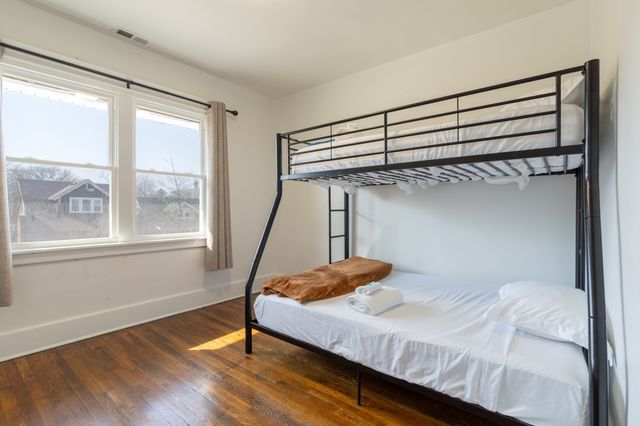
column 223, row 341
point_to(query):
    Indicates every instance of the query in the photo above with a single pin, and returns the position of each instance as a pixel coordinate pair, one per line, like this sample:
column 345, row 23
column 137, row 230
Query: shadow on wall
column 611, row 250
column 473, row 230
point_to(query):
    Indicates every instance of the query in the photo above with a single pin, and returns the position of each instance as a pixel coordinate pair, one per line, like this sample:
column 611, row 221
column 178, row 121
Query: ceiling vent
column 129, row 35
column 139, row 39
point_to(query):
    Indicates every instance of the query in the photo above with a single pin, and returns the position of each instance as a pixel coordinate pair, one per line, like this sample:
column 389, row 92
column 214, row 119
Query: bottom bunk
column 440, row 339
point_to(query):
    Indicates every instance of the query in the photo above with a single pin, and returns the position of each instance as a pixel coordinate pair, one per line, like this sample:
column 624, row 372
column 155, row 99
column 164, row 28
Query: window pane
column 167, row 204
column 55, row 125
column 46, row 203
column 168, row 144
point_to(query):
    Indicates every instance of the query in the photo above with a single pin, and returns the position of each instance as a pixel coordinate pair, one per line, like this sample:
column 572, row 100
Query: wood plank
column 10, row 412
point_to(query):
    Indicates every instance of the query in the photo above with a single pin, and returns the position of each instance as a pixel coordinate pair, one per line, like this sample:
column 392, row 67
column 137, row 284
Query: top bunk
column 500, row 133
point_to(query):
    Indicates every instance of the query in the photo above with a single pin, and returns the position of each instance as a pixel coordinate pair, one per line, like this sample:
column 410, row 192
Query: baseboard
column 29, row 340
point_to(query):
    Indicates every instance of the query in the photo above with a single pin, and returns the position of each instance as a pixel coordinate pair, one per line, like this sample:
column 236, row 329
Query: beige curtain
column 5, row 235
column 218, row 251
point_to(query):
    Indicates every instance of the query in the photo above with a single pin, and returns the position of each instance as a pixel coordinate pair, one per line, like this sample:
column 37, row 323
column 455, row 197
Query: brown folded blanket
column 328, row 281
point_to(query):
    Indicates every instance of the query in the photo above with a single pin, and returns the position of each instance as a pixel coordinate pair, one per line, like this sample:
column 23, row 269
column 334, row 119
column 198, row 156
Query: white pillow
column 552, row 311
column 571, row 92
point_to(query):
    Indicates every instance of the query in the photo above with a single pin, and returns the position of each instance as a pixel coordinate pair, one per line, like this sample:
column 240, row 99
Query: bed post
column 347, row 225
column 593, row 267
column 248, row 290
column 579, row 278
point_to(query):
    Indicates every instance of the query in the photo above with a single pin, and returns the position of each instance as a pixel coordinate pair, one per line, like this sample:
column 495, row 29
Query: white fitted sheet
column 572, row 133
column 439, row 338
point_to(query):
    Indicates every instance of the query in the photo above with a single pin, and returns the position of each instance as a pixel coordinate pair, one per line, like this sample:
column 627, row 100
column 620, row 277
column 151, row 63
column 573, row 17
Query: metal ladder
column 345, row 235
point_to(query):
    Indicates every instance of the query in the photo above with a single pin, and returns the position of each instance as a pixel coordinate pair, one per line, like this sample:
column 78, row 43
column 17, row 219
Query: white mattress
column 572, row 134
column 438, row 338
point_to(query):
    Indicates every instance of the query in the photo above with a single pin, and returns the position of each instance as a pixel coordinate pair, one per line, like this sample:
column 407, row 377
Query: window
column 169, row 174
column 57, row 142
column 74, row 178
column 85, row 205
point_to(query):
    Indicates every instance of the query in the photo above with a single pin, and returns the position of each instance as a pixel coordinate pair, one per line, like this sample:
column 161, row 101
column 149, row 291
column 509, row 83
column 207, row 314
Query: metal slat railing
column 328, row 148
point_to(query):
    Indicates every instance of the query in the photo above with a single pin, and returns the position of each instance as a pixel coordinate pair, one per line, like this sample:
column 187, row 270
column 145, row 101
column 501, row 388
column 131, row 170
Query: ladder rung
column 336, row 210
column 337, row 236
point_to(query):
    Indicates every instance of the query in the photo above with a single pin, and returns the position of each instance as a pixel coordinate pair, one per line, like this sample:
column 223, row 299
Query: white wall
column 472, row 230
column 615, row 39
column 57, row 302
column 468, row 230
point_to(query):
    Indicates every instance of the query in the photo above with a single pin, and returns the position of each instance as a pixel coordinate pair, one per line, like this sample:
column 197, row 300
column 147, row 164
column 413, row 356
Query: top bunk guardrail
column 536, row 133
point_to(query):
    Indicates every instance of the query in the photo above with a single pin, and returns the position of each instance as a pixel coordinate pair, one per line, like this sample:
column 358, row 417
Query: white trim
column 77, row 250
column 60, row 244
column 40, row 337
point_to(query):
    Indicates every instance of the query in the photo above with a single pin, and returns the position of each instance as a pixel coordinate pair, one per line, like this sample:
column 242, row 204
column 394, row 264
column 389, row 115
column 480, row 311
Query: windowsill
column 58, row 254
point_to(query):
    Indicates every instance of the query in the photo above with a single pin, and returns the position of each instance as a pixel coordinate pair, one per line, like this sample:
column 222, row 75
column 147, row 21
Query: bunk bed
column 484, row 134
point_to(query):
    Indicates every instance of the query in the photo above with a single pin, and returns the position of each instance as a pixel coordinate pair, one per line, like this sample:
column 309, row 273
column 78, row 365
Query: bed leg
column 359, row 387
column 248, row 340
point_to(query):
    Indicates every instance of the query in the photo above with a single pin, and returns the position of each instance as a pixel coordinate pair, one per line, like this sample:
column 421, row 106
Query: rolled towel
column 375, row 303
column 369, row 288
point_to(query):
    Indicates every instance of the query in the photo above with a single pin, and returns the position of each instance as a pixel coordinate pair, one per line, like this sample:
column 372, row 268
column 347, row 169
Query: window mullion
column 163, row 173
column 31, row 160
column 125, row 180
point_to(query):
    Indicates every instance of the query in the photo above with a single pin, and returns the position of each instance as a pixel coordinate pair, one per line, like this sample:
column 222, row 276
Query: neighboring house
column 167, row 215
column 59, row 210
column 62, row 210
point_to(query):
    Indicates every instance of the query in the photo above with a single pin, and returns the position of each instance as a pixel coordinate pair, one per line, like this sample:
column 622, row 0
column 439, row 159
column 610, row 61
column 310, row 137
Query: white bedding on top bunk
column 572, row 133
column 438, row 338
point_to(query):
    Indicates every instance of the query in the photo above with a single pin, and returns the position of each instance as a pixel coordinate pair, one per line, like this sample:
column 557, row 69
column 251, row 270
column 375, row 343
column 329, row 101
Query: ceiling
column 278, row 47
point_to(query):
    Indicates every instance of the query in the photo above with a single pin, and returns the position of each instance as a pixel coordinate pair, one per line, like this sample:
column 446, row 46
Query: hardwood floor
column 191, row 369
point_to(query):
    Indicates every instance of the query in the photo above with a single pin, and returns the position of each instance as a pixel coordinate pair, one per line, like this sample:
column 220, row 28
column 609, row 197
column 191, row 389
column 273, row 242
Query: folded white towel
column 369, row 288
column 375, row 303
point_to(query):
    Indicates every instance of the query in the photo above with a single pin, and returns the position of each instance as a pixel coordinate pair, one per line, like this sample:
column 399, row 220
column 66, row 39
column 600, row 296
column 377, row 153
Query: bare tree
column 181, row 188
column 39, row 172
column 146, row 187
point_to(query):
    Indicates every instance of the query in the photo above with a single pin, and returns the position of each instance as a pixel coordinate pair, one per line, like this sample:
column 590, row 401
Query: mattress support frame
column 588, row 241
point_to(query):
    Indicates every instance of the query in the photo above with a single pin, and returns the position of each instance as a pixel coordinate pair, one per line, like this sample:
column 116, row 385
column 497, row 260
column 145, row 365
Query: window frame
column 154, row 107
column 35, row 75
column 122, row 103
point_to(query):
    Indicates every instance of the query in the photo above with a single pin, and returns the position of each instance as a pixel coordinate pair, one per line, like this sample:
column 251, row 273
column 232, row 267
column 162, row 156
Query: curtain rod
column 128, row 82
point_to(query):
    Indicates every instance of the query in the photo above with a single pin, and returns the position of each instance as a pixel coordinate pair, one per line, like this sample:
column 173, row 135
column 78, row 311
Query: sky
column 51, row 125
column 157, row 144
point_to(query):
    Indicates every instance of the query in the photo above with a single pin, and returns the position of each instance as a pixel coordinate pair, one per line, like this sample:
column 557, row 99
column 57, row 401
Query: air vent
column 129, row 35
column 140, row 40
column 123, row 33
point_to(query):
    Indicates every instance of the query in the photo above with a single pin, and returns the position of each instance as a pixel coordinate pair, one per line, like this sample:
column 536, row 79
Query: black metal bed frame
column 588, row 258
